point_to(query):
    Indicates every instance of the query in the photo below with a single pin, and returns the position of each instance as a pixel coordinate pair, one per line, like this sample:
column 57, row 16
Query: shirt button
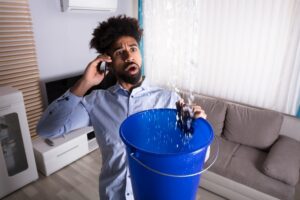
column 127, row 194
column 67, row 98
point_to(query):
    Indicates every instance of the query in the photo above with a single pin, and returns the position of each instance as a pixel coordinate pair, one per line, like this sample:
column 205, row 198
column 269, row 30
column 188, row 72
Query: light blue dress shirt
column 105, row 110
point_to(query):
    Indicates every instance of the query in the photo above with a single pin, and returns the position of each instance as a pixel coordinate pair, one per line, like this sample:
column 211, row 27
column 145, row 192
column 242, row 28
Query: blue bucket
column 164, row 162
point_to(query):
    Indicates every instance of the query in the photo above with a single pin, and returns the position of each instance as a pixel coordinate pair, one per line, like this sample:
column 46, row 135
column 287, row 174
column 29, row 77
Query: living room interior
column 239, row 60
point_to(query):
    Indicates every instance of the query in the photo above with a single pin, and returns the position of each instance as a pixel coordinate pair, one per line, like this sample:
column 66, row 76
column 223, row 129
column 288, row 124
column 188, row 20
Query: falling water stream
column 178, row 69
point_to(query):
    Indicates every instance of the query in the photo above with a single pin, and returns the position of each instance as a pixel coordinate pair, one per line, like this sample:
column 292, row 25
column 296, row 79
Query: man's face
column 126, row 60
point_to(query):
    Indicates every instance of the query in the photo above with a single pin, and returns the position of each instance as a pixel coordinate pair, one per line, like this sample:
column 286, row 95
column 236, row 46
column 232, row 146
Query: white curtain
column 242, row 50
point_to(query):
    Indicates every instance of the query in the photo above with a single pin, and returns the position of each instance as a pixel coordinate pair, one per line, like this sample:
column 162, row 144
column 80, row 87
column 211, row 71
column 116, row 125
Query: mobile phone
column 102, row 67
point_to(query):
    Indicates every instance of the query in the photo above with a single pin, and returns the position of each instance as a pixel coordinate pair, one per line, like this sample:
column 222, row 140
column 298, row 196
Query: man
column 117, row 42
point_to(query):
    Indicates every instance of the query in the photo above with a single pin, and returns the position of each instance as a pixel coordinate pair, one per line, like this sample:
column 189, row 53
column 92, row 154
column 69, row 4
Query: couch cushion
column 215, row 111
column 246, row 168
column 252, row 127
column 283, row 161
column 225, row 150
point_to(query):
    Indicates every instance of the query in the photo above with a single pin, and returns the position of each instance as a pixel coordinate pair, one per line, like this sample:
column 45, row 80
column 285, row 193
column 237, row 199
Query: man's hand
column 92, row 76
column 196, row 111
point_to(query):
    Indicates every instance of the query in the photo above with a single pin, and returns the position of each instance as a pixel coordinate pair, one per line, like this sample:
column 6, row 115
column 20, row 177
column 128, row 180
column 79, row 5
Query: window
column 245, row 51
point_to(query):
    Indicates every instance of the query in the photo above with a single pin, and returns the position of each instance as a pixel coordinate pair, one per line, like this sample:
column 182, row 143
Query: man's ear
column 110, row 67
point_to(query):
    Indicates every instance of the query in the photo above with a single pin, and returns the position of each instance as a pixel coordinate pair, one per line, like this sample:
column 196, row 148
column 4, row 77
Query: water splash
column 184, row 118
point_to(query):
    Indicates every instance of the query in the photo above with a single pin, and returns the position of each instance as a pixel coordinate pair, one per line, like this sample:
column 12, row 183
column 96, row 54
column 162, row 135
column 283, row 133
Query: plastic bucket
column 164, row 163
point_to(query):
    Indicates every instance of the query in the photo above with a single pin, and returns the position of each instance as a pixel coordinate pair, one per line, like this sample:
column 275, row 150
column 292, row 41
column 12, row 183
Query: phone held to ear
column 102, row 67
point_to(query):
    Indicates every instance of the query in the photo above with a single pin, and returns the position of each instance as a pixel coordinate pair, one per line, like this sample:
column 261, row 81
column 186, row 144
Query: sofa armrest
column 283, row 161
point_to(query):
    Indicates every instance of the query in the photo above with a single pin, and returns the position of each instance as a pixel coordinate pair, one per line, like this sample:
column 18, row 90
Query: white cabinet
column 65, row 150
column 17, row 164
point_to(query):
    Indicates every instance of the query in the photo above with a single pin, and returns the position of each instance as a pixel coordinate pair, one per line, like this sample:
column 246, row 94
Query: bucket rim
column 205, row 145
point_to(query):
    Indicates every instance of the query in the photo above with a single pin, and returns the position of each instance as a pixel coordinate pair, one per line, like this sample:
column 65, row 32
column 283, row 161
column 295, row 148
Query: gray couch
column 259, row 151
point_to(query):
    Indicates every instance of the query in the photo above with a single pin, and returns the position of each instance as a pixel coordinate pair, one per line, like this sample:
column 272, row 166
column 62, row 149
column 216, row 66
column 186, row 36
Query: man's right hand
column 92, row 76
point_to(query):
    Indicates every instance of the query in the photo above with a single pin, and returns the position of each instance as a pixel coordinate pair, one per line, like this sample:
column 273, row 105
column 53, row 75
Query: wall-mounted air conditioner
column 92, row 5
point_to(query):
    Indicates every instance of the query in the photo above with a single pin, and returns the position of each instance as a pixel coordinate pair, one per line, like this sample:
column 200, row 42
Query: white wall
column 62, row 38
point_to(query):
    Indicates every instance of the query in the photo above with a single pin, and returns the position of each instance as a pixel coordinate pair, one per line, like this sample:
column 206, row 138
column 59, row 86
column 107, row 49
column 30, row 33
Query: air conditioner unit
column 92, row 5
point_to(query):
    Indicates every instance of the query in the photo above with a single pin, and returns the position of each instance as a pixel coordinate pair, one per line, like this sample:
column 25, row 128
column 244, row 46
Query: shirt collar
column 117, row 87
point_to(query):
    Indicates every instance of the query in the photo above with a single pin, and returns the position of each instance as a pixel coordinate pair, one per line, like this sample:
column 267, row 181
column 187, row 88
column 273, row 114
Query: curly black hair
column 109, row 31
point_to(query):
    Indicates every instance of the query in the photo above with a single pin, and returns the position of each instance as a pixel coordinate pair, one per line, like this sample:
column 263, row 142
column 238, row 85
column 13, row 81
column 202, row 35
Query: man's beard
column 132, row 79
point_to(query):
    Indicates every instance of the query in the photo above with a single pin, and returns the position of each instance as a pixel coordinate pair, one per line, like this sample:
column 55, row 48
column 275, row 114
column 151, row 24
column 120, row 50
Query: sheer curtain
column 242, row 50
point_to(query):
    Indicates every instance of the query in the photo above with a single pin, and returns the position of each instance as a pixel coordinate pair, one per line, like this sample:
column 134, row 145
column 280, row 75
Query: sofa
column 259, row 150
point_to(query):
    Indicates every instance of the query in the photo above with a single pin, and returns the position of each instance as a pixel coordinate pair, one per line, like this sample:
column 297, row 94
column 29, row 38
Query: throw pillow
column 283, row 161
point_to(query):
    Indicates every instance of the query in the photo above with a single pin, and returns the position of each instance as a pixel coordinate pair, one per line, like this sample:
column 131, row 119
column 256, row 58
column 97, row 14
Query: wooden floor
column 79, row 181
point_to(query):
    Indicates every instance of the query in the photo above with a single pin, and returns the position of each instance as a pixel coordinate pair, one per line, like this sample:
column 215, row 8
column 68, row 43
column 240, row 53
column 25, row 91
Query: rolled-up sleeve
column 62, row 116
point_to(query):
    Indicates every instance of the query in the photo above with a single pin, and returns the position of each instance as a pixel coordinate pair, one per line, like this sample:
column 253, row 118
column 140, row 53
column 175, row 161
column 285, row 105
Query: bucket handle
column 175, row 175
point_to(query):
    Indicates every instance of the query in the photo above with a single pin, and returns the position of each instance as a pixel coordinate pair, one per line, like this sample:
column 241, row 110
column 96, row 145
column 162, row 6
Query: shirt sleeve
column 174, row 97
column 62, row 116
